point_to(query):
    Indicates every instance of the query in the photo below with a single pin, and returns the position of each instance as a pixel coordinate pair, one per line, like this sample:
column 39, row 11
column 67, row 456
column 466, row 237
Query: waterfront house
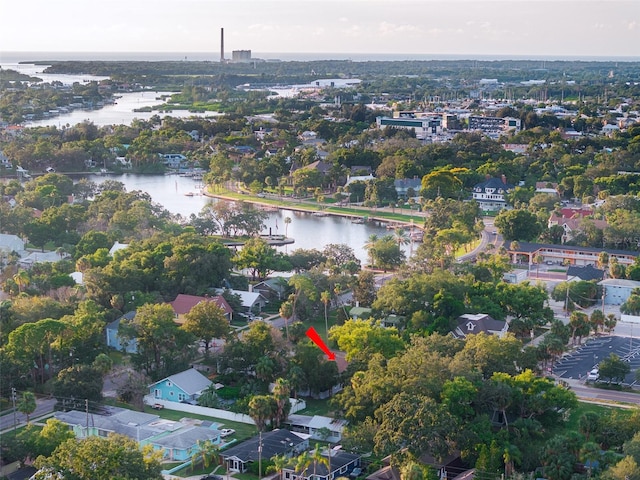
column 185, row 386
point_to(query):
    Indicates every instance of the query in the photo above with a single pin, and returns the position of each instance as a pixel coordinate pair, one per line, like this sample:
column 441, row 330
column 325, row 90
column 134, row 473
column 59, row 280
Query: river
column 307, row 230
column 122, row 112
column 170, row 191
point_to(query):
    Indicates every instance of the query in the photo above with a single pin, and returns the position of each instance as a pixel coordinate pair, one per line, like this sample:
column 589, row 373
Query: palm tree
column 22, row 280
column 318, row 458
column 281, row 392
column 205, row 452
column 287, row 221
column 286, row 312
column 278, row 463
column 401, row 236
column 370, row 246
column 325, row 298
column 28, row 404
column 511, row 456
column 303, row 462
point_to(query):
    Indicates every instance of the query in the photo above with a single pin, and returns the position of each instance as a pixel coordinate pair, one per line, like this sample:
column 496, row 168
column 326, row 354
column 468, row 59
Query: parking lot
column 577, row 364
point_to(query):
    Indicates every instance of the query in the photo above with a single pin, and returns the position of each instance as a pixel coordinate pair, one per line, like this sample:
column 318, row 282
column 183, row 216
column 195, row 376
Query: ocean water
column 16, row 57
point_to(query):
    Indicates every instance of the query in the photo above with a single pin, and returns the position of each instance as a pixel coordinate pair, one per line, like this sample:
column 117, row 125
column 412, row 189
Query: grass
column 243, row 430
column 317, row 407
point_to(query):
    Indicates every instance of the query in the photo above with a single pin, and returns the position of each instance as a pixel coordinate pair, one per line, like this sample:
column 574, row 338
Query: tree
column 75, row 385
column 364, row 291
column 278, row 464
column 303, row 286
column 99, row 458
column 625, row 469
column 281, row 391
column 162, row 346
column 360, row 339
column 261, row 410
column 205, row 452
column 286, row 312
column 206, row 321
column 517, row 225
column 325, row 298
column 632, row 305
column 257, row 256
column 318, row 459
column 133, row 388
column 27, row 404
column 613, row 368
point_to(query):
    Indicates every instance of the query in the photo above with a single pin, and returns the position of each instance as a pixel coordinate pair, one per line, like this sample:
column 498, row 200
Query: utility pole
column 86, row 408
column 260, row 455
column 15, row 420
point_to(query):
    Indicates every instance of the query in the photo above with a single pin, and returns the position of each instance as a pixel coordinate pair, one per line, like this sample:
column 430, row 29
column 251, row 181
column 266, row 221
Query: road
column 44, row 406
column 598, row 395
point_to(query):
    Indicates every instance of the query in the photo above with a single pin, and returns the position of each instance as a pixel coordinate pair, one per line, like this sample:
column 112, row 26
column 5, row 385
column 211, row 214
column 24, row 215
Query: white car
column 225, row 432
column 593, row 375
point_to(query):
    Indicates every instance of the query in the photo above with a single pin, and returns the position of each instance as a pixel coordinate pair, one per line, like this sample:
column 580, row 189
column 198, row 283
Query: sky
column 517, row 28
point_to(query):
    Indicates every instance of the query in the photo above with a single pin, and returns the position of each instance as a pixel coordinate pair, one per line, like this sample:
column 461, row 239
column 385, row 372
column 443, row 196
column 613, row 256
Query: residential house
column 177, row 440
column 617, row 290
column 584, row 272
column 446, row 469
column 175, row 161
column 184, row 303
column 272, row 288
column 317, row 426
column 181, row 444
column 252, row 302
column 117, row 246
column 472, row 324
column 114, row 340
column 491, row 194
column 573, row 220
column 185, row 386
column 41, row 257
column 10, row 243
column 362, row 313
column 268, row 444
column 338, row 464
column 404, row 184
column 549, row 188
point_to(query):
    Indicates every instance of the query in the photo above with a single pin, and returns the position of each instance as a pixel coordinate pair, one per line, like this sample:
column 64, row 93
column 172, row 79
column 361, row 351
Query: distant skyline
column 517, row 28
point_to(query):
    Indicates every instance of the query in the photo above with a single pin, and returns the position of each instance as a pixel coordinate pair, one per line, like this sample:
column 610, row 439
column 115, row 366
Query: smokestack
column 222, row 45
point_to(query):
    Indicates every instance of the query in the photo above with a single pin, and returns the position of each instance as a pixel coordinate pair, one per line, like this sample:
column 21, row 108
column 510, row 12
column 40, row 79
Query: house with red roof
column 572, row 220
column 184, row 303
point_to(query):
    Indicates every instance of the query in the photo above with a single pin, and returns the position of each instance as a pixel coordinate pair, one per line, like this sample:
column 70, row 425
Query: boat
column 319, row 214
column 358, row 221
column 189, row 194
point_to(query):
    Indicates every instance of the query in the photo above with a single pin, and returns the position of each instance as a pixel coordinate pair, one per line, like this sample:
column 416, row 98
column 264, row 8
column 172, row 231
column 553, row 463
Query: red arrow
column 315, row 338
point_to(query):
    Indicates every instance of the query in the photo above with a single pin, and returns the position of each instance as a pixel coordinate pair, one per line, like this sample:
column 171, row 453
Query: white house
column 472, row 324
column 491, row 194
column 11, row 243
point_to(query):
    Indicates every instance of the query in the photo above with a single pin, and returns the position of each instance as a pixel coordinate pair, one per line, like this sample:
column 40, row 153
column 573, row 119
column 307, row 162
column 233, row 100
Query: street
column 44, row 406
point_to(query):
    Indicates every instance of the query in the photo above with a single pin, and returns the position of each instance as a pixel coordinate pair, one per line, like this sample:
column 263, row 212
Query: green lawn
column 317, row 407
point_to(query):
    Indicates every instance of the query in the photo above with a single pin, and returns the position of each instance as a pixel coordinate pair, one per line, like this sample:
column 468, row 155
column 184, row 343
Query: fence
column 296, row 406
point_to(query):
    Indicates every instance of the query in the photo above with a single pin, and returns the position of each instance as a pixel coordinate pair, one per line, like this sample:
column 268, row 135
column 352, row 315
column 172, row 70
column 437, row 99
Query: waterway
column 171, row 191
column 122, row 112
column 307, row 230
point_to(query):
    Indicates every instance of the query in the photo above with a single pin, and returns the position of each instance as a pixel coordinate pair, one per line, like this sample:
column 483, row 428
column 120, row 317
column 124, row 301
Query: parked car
column 593, row 375
column 211, row 477
column 355, row 473
column 225, row 432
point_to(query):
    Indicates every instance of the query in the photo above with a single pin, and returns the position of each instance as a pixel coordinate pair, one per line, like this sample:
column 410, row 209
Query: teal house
column 184, row 387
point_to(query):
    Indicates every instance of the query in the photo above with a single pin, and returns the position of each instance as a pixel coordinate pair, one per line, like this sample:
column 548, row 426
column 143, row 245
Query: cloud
column 387, row 28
